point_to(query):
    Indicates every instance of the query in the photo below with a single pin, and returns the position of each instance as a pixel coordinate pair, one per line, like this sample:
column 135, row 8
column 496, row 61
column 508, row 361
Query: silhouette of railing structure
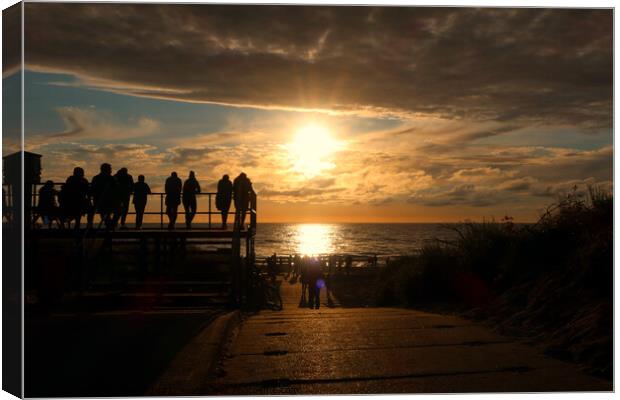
column 339, row 260
column 153, row 245
column 159, row 199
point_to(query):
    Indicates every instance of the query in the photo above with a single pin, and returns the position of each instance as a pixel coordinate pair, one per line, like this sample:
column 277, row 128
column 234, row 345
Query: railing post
column 209, row 198
column 161, row 210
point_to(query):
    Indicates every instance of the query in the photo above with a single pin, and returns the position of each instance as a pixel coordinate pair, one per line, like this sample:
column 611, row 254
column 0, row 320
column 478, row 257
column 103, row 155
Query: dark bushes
column 552, row 279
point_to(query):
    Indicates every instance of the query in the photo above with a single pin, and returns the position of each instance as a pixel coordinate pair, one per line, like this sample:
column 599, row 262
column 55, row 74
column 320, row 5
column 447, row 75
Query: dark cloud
column 12, row 39
column 535, row 65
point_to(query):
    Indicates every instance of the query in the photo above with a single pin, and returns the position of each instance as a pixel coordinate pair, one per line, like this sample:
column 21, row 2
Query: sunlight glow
column 311, row 150
column 314, row 239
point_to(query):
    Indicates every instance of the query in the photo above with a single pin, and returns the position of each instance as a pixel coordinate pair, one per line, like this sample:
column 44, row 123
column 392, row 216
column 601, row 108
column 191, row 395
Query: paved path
column 383, row 350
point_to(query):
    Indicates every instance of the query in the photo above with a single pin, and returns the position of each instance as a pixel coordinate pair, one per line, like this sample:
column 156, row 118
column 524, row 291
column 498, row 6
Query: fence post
column 209, row 198
column 161, row 210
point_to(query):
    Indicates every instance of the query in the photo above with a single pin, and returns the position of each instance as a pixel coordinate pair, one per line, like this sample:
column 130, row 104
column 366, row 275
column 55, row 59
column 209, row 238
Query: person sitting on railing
column 47, row 207
column 124, row 188
column 73, row 196
column 242, row 189
column 173, row 198
column 223, row 198
column 141, row 190
column 191, row 188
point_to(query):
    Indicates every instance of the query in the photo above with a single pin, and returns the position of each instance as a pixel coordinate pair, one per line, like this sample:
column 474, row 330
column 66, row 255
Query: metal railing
column 207, row 205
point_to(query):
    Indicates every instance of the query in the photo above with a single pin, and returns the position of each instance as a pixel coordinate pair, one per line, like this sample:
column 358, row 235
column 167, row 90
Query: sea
column 383, row 240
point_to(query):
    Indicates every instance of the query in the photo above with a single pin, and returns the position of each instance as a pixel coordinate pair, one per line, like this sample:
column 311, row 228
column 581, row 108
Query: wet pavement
column 337, row 350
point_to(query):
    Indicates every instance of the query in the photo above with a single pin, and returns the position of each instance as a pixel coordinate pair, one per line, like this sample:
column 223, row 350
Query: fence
column 205, row 201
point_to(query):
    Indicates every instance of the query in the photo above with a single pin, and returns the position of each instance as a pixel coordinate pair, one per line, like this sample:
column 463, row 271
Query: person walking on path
column 124, row 189
column 173, row 198
column 303, row 278
column 223, row 198
column 315, row 282
column 191, row 188
column 242, row 190
column 141, row 190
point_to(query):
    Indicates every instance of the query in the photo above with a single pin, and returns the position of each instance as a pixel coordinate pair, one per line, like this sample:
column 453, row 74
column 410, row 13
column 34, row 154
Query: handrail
column 162, row 212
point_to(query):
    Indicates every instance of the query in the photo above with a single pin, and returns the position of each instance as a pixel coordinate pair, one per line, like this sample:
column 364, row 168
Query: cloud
column 515, row 66
column 83, row 123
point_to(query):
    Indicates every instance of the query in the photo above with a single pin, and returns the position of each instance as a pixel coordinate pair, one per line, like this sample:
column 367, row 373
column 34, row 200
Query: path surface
column 382, row 350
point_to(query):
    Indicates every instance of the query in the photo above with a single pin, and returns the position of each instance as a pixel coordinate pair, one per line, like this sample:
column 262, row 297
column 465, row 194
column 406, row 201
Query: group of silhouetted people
column 109, row 196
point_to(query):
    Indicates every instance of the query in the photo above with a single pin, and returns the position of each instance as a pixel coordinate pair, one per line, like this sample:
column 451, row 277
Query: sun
column 312, row 150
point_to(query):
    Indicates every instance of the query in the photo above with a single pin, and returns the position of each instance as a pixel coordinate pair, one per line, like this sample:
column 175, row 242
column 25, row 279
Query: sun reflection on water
column 313, row 239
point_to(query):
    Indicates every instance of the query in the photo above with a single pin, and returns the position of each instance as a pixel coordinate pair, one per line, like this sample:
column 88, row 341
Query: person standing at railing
column 124, row 188
column 223, row 198
column 173, row 198
column 141, row 190
column 47, row 207
column 103, row 190
column 191, row 188
column 74, row 199
column 242, row 189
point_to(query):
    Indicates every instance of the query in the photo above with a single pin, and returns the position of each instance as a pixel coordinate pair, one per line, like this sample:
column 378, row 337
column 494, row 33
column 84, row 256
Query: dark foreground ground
column 341, row 348
column 114, row 353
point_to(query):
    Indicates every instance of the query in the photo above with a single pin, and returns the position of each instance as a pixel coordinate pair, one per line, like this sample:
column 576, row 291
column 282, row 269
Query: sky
column 337, row 114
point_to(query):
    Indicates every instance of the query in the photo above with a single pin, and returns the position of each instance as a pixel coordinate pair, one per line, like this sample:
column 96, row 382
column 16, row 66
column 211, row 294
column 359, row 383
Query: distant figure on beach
column 223, row 198
column 191, row 188
column 74, row 197
column 47, row 207
column 303, row 277
column 124, row 188
column 315, row 281
column 141, row 190
column 173, row 198
column 348, row 263
column 104, row 196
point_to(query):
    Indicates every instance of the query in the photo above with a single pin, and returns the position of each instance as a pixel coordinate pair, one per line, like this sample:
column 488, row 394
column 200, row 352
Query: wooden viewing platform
column 199, row 263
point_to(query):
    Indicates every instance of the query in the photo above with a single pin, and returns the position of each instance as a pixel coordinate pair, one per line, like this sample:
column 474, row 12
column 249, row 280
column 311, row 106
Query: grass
column 552, row 280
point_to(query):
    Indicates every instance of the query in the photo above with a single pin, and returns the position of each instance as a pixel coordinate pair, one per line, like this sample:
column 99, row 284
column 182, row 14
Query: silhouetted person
column 315, row 282
column 74, row 196
column 272, row 266
column 242, row 190
column 47, row 207
column 124, row 188
column 141, row 190
column 105, row 199
column 190, row 189
column 223, row 198
column 303, row 277
column 173, row 198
